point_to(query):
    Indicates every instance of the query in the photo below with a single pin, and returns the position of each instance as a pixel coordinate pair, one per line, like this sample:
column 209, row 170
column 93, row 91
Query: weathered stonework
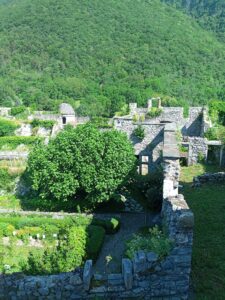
column 198, row 149
column 209, row 178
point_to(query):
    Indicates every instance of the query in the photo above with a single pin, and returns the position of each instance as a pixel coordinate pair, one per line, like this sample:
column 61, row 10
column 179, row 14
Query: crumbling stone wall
column 218, row 177
column 198, row 148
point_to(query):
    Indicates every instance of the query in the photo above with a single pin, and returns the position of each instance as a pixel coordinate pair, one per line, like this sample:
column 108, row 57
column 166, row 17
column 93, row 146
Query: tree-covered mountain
column 209, row 13
column 101, row 54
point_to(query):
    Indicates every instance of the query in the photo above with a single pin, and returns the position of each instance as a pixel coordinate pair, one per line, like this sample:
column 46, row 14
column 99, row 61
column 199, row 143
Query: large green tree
column 81, row 164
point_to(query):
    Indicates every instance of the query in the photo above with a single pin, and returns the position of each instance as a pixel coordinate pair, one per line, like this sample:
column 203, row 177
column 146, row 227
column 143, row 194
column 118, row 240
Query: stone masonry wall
column 209, row 178
column 198, row 148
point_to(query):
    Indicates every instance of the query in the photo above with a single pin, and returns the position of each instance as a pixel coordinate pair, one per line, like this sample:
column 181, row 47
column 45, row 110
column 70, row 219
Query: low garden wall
column 209, row 177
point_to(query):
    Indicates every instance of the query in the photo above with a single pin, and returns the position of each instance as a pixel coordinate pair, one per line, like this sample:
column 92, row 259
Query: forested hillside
column 209, row 13
column 99, row 55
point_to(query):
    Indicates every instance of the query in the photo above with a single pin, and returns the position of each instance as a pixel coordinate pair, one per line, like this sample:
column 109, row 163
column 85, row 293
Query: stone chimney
column 133, row 108
column 149, row 104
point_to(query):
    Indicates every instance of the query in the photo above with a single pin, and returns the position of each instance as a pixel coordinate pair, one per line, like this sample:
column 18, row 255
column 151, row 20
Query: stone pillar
column 87, row 274
column 159, row 102
column 149, row 104
column 127, row 273
column 133, row 108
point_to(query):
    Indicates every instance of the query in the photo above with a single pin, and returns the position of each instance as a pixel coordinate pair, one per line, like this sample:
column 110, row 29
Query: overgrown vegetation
column 12, row 142
column 48, row 124
column 62, row 51
column 154, row 112
column 155, row 240
column 139, row 132
column 7, row 127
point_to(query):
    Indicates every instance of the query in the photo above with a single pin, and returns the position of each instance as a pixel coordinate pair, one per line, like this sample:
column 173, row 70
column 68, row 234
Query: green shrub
column 96, row 235
column 154, row 112
column 6, row 229
column 48, row 124
column 14, row 141
column 69, row 254
column 139, row 132
column 6, row 180
column 155, row 241
column 111, row 226
column 100, row 122
column 7, row 127
column 17, row 110
column 29, row 231
column 212, row 133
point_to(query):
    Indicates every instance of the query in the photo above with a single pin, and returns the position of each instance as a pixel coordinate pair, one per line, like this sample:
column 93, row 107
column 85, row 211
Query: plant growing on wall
column 154, row 112
column 139, row 132
column 81, row 164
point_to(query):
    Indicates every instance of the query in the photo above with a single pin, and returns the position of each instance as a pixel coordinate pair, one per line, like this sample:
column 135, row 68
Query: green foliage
column 100, row 122
column 173, row 102
column 111, row 226
column 11, row 142
column 150, row 186
column 83, row 165
column 54, row 50
column 208, row 13
column 6, row 180
column 96, row 235
column 154, row 112
column 139, row 132
column 68, row 254
column 48, row 124
column 7, row 127
column 217, row 112
column 17, row 110
column 155, row 241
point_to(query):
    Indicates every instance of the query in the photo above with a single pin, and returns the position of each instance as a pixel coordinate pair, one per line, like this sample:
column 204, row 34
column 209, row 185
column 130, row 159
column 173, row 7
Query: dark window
column 64, row 120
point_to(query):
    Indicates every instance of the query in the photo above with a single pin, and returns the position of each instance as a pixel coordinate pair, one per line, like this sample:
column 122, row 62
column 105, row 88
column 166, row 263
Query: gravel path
column 109, row 260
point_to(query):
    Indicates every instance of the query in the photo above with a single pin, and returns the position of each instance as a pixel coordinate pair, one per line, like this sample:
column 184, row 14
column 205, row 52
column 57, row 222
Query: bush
column 111, row 226
column 100, row 122
column 139, row 132
column 48, row 124
column 6, row 229
column 96, row 235
column 17, row 110
column 64, row 171
column 6, row 180
column 14, row 141
column 155, row 241
column 68, row 255
column 154, row 112
column 25, row 232
column 7, row 127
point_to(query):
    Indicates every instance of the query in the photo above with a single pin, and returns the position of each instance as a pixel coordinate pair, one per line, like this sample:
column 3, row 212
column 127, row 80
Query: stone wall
column 198, row 148
column 151, row 146
column 209, row 177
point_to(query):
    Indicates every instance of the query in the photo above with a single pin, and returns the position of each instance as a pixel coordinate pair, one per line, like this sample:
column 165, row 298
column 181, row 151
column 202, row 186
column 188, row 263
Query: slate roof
column 66, row 109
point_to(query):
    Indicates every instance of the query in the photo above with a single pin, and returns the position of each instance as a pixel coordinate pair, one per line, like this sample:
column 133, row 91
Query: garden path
column 110, row 258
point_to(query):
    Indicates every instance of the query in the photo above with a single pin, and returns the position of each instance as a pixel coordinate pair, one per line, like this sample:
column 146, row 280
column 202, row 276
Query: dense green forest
column 209, row 13
column 99, row 55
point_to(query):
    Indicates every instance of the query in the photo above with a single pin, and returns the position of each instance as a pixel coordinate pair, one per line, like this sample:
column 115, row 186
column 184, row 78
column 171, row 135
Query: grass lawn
column 208, row 205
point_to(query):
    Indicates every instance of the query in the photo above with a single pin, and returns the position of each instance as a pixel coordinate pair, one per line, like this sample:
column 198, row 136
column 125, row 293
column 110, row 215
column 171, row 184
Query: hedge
column 14, row 141
column 7, row 127
column 111, row 226
column 17, row 110
column 48, row 124
column 96, row 235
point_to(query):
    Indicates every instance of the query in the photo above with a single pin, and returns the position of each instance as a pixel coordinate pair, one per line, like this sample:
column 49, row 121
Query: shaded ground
column 109, row 260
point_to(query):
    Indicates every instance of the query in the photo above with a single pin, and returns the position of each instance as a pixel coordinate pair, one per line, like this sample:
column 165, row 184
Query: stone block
column 87, row 274
column 186, row 220
column 115, row 279
column 152, row 257
column 127, row 273
column 139, row 262
column 75, row 280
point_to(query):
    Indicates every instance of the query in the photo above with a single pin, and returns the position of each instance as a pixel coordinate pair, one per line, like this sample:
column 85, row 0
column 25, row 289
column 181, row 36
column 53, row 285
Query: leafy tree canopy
column 99, row 55
column 81, row 164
